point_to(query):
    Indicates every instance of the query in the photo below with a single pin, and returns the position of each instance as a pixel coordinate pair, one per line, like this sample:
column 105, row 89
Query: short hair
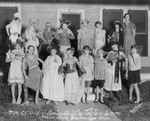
column 134, row 46
column 70, row 49
column 86, row 47
column 126, row 15
column 31, row 46
column 15, row 19
column 97, row 22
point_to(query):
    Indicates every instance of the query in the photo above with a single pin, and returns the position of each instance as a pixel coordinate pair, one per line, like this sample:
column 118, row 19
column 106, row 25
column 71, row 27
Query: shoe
column 101, row 101
column 56, row 103
column 96, row 100
column 83, row 101
column 67, row 103
column 14, row 102
column 135, row 102
column 25, row 103
column 131, row 101
column 48, row 102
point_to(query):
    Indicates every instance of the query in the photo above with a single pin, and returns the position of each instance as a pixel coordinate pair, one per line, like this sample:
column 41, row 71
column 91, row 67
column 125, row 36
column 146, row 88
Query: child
column 72, row 93
column 15, row 73
column 134, row 73
column 100, row 74
column 87, row 61
column 33, row 79
column 53, row 86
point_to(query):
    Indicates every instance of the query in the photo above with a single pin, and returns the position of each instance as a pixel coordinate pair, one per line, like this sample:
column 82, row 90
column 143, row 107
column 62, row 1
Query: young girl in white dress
column 53, row 86
column 87, row 61
column 15, row 76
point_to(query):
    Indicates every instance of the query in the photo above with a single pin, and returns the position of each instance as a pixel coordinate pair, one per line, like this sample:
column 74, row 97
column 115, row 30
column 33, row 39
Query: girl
column 15, row 73
column 53, row 86
column 33, row 79
column 134, row 73
column 87, row 61
column 100, row 74
column 72, row 93
column 99, row 36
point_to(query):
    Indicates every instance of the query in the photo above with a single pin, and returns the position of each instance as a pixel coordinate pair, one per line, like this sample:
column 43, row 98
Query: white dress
column 52, row 85
column 15, row 72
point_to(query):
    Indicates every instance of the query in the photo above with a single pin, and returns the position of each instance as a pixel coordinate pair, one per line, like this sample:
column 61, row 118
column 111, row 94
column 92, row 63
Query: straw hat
column 68, row 23
column 33, row 21
column 17, row 15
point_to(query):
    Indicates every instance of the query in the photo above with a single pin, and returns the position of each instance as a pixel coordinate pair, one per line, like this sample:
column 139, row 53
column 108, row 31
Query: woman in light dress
column 72, row 85
column 15, row 76
column 113, row 75
column 31, row 35
column 14, row 28
column 99, row 37
column 53, row 86
column 85, row 35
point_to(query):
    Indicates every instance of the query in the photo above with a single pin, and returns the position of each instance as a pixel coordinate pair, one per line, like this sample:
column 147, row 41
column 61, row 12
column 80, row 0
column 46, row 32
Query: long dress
column 113, row 74
column 72, row 85
column 15, row 73
column 31, row 38
column 34, row 74
column 52, row 84
column 85, row 37
column 129, row 39
column 99, row 38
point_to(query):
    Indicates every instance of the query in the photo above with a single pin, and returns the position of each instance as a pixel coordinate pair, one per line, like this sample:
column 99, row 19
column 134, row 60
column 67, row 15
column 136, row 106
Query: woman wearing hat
column 47, row 35
column 64, row 36
column 113, row 75
column 85, row 36
column 14, row 28
column 116, row 35
column 31, row 35
column 129, row 30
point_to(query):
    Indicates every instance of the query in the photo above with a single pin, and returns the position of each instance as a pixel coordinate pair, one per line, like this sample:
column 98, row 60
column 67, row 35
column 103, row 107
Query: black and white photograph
column 74, row 60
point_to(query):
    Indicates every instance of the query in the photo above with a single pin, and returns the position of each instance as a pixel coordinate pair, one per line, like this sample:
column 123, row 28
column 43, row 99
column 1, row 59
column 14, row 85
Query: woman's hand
column 26, row 77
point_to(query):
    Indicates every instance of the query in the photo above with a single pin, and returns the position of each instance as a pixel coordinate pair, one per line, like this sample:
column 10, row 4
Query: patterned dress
column 35, row 75
column 72, row 85
column 129, row 40
column 88, row 63
column 53, row 85
column 85, row 37
column 15, row 72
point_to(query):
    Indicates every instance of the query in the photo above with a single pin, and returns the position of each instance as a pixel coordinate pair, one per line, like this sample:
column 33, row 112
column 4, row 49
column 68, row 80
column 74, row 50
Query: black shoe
column 67, row 103
column 137, row 102
column 96, row 100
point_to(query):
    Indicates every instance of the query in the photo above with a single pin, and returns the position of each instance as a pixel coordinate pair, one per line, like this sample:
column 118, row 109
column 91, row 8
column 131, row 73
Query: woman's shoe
column 67, row 103
column 131, row 101
column 83, row 101
column 137, row 102
column 102, row 101
column 14, row 102
column 96, row 100
column 48, row 102
column 25, row 103
column 18, row 101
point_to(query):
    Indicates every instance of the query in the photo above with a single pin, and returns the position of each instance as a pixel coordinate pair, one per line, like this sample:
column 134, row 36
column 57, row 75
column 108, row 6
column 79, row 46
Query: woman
column 116, row 35
column 34, row 76
column 99, row 36
column 129, row 29
column 64, row 36
column 85, row 36
column 113, row 74
column 31, row 35
column 14, row 28
column 53, row 86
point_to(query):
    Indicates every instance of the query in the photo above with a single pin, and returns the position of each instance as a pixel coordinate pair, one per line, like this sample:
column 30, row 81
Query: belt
column 32, row 67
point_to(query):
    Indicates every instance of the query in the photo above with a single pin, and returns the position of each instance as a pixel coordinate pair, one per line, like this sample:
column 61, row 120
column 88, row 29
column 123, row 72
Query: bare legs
column 19, row 93
column 13, row 93
column 137, row 92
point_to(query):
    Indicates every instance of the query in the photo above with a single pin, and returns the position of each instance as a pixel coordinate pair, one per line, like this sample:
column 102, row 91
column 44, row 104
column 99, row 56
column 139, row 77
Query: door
column 75, row 25
column 7, row 14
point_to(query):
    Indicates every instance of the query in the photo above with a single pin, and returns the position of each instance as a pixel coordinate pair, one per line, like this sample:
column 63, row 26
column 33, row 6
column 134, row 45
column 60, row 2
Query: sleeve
column 134, row 26
column 8, row 54
column 27, row 34
column 59, row 61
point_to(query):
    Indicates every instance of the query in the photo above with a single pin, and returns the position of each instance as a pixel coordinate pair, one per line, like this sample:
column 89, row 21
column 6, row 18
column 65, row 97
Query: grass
column 133, row 112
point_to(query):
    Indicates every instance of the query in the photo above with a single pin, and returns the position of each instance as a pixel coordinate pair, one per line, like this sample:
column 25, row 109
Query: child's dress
column 72, row 85
column 15, row 72
column 88, row 63
column 34, row 74
column 53, row 85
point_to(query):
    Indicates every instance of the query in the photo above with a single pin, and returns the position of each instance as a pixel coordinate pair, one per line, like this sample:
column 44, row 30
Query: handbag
column 81, row 70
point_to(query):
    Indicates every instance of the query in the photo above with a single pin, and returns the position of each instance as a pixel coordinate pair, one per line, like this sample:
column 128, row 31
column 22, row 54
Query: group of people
column 64, row 77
